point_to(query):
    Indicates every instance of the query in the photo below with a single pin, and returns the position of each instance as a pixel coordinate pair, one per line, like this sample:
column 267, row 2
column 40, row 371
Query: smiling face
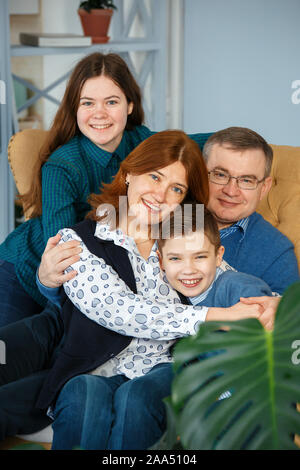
column 102, row 112
column 229, row 203
column 190, row 263
column 153, row 195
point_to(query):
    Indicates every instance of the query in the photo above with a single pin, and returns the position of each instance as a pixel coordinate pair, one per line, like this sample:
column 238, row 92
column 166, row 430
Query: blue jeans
column 112, row 413
column 15, row 303
column 31, row 346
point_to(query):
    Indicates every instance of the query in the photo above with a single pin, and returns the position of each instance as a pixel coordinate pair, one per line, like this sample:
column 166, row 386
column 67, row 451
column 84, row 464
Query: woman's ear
column 127, row 179
column 130, row 108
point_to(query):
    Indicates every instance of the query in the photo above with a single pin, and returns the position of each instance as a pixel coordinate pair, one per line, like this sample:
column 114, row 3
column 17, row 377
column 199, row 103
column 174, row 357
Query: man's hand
column 56, row 258
column 269, row 305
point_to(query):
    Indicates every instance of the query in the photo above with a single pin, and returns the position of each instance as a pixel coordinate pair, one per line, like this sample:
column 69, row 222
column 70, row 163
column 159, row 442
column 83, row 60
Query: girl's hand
column 56, row 258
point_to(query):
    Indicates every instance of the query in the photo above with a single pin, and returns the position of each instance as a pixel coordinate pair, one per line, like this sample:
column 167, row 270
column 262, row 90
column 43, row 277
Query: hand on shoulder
column 57, row 257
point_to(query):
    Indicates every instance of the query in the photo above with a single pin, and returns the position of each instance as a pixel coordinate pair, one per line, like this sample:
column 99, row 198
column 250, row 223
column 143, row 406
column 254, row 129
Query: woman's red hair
column 158, row 151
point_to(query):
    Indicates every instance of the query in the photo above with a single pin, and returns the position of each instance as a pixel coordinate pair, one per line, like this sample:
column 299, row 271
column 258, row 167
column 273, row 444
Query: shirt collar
column 199, row 298
column 102, row 156
column 121, row 150
column 241, row 225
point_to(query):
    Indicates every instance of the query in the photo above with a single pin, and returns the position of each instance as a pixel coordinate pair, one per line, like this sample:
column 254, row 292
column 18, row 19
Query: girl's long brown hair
column 158, row 151
column 65, row 126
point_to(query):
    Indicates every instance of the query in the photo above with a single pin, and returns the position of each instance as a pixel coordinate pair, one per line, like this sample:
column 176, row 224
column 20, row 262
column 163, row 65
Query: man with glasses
column 239, row 164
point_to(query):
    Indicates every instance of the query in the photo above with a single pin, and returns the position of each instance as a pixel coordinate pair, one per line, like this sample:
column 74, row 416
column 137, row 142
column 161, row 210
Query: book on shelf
column 54, row 40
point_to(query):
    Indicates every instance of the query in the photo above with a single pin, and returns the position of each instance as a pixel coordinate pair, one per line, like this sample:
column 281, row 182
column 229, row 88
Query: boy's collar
column 199, row 298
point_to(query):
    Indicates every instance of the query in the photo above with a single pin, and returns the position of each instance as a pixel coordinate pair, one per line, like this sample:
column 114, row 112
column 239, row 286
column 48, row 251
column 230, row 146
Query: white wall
column 26, row 7
column 60, row 16
column 240, row 60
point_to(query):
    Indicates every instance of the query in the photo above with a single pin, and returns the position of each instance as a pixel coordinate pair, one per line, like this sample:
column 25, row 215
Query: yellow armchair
column 23, row 151
column 281, row 207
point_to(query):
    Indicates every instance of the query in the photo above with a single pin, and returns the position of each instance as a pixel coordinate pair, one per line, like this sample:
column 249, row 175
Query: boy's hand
column 56, row 258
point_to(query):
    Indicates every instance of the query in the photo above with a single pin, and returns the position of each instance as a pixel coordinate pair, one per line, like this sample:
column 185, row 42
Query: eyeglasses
column 243, row 182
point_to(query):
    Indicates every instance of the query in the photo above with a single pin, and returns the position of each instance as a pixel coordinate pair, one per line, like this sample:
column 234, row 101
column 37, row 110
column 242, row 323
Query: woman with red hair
column 105, row 389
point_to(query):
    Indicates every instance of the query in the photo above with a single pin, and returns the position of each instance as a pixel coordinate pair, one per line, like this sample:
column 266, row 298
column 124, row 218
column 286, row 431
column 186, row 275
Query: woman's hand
column 263, row 308
column 242, row 311
column 239, row 311
column 269, row 305
column 56, row 258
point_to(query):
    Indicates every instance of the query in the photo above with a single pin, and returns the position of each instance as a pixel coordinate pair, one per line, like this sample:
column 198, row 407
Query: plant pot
column 96, row 23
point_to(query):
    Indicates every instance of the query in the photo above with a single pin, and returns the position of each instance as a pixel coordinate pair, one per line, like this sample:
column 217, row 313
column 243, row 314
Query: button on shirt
column 154, row 316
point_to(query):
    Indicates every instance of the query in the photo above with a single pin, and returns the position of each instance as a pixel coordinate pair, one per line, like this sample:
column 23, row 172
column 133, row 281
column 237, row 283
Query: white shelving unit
column 152, row 15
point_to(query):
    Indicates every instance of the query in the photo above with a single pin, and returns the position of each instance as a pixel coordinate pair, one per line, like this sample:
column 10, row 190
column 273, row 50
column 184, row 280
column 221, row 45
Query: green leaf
column 88, row 5
column 255, row 368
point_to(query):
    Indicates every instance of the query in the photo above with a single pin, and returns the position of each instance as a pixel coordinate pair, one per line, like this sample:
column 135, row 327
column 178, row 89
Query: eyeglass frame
column 237, row 178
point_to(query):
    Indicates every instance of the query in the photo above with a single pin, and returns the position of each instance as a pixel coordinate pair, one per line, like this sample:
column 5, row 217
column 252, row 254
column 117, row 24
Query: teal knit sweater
column 70, row 175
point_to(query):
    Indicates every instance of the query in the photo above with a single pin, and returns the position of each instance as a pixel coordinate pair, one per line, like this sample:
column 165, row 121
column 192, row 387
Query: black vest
column 87, row 344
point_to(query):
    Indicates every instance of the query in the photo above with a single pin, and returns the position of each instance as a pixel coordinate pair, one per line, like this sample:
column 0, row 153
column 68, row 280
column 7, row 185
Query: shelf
column 124, row 46
column 149, row 71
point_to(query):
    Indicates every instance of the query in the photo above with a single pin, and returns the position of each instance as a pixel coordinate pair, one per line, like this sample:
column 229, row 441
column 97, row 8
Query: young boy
column 191, row 257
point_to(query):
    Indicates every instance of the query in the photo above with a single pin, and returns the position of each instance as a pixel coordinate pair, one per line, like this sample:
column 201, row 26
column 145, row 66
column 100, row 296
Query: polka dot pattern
column 152, row 316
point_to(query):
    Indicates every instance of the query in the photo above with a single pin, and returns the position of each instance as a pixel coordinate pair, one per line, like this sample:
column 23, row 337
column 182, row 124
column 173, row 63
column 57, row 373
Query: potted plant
column 245, row 394
column 95, row 16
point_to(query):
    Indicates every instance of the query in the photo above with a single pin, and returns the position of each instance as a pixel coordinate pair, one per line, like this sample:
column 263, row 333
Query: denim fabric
column 114, row 413
column 30, row 346
column 15, row 303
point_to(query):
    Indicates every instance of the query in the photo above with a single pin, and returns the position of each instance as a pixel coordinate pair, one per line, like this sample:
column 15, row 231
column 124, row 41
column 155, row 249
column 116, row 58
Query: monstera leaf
column 238, row 389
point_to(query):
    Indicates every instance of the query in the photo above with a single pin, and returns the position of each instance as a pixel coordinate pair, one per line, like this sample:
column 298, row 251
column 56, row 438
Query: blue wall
column 240, row 60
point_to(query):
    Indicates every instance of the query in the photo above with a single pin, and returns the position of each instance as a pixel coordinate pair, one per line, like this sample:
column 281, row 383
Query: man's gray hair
column 240, row 138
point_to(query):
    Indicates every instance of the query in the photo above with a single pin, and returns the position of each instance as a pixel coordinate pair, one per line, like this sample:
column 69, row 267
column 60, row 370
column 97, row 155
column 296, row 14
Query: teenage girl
column 98, row 123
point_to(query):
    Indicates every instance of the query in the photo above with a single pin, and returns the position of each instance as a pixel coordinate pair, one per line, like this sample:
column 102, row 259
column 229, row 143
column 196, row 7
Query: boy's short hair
column 185, row 219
